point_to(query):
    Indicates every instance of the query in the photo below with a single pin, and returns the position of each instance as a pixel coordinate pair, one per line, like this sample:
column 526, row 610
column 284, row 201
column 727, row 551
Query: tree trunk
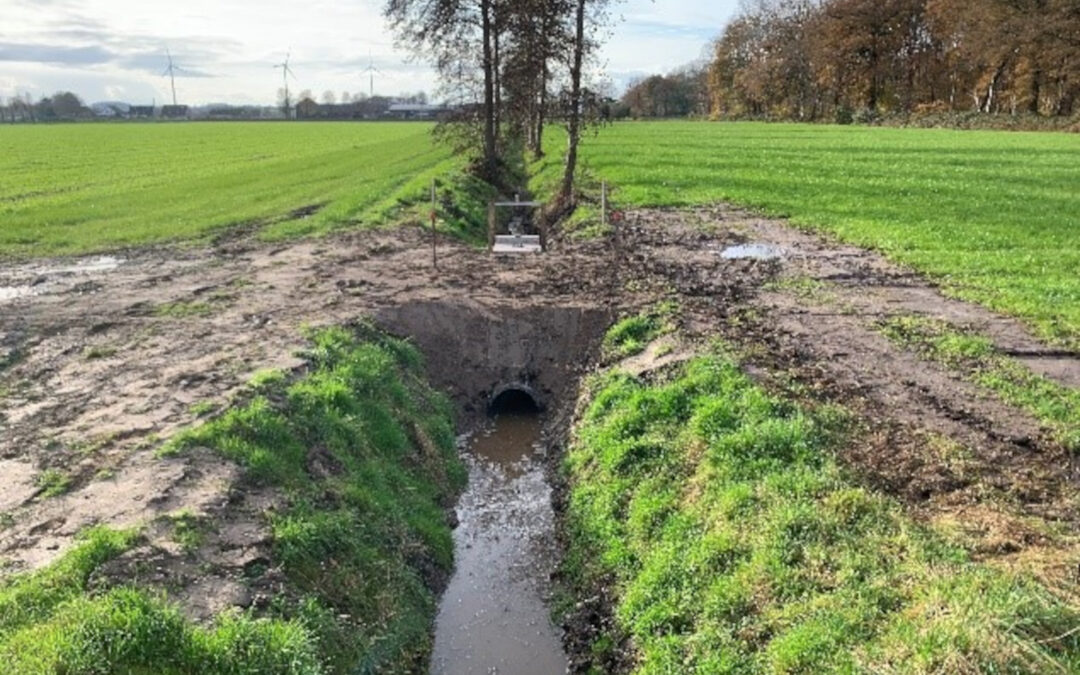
column 1065, row 99
column 490, row 162
column 1036, row 92
column 541, row 114
column 566, row 195
column 872, row 95
column 987, row 104
column 496, row 71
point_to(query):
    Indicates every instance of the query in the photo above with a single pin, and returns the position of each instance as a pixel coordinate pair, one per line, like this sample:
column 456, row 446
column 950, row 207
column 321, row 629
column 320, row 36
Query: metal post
column 617, row 235
column 434, row 216
column 603, row 203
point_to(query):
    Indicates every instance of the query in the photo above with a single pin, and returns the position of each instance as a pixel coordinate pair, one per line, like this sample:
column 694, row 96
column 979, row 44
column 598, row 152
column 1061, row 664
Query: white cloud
column 228, row 48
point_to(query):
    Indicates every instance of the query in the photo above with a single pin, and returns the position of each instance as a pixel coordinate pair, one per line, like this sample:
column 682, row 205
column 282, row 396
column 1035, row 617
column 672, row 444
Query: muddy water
column 493, row 617
column 755, row 251
column 25, row 281
column 13, row 292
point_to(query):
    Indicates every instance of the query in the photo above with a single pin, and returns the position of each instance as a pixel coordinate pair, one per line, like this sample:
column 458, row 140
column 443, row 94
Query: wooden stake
column 434, row 216
column 603, row 203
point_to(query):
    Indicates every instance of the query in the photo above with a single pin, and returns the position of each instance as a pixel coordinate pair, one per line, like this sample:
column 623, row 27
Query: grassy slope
column 994, row 215
column 51, row 623
column 81, row 188
column 735, row 544
column 359, row 547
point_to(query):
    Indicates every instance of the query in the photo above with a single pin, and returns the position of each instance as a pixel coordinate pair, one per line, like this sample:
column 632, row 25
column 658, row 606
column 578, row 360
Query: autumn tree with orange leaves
column 815, row 59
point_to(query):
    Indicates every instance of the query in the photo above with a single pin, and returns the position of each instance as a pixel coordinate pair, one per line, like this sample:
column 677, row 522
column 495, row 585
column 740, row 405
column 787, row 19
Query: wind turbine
column 171, row 72
column 286, row 73
column 371, row 70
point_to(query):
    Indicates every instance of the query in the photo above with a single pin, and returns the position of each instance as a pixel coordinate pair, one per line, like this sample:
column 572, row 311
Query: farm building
column 416, row 111
column 115, row 109
column 174, row 111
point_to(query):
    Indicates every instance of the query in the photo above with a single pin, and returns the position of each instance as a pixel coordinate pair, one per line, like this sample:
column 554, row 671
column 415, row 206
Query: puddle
column 493, row 617
column 105, row 263
column 754, row 251
column 30, row 281
column 14, row 292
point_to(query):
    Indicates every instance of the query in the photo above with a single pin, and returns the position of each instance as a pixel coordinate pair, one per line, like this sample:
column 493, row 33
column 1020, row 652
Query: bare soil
column 99, row 367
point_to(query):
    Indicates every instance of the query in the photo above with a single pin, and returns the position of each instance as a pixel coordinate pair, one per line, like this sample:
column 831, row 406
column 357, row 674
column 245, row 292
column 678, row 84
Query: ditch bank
column 710, row 528
column 101, row 369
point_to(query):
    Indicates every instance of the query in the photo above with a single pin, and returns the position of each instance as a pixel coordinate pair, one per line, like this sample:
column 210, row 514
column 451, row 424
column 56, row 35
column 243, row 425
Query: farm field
column 84, row 188
column 993, row 216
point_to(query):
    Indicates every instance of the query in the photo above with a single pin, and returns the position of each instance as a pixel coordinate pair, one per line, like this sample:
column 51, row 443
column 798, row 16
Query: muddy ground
column 101, row 362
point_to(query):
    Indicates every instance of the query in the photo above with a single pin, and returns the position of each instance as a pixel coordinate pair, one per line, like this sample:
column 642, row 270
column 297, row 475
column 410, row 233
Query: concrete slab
column 522, row 243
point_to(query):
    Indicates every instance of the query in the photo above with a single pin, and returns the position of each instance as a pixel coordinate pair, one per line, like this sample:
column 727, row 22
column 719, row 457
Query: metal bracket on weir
column 516, row 241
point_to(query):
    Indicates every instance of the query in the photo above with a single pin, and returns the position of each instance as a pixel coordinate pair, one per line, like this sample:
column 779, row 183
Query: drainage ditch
column 494, row 615
column 512, row 371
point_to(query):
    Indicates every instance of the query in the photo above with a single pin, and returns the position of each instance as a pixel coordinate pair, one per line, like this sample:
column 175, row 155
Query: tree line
column 845, row 60
column 509, row 68
column 63, row 105
column 684, row 93
column 814, row 59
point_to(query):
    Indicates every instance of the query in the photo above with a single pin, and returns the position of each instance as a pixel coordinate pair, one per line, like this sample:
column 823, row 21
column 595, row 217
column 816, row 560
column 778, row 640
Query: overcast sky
column 115, row 49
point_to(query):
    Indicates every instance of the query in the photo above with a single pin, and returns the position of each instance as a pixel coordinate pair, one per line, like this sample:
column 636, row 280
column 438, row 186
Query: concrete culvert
column 514, row 398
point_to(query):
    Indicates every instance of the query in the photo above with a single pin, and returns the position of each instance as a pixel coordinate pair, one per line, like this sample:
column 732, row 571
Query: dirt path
column 99, row 365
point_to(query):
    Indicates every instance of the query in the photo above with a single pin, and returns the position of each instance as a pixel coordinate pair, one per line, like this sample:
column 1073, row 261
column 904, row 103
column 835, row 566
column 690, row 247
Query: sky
column 106, row 50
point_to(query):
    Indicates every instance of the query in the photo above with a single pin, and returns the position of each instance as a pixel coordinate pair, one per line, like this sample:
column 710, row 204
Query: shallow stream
column 494, row 617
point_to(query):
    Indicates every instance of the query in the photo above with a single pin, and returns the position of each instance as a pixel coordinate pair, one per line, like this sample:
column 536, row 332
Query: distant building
column 416, row 111
column 222, row 111
column 174, row 112
column 107, row 109
column 334, row 111
column 141, row 112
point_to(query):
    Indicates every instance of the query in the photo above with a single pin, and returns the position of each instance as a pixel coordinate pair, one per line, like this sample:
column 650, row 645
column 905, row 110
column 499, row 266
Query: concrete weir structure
column 517, row 243
column 478, row 352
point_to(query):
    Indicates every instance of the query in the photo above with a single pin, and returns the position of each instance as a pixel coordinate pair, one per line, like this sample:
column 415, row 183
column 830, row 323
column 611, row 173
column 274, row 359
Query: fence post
column 434, row 217
column 603, row 203
column 491, row 226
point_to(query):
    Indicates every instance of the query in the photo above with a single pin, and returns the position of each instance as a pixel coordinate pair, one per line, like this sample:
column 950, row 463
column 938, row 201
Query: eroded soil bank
column 103, row 365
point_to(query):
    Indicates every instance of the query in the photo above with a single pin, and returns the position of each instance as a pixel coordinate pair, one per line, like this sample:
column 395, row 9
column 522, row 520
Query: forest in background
column 858, row 60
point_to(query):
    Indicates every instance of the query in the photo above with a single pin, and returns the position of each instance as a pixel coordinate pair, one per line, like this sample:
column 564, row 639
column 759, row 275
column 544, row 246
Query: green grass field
column 83, row 188
column 995, row 216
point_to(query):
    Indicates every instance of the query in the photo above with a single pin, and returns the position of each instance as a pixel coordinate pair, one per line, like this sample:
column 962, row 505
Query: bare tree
column 451, row 33
column 590, row 16
column 538, row 37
